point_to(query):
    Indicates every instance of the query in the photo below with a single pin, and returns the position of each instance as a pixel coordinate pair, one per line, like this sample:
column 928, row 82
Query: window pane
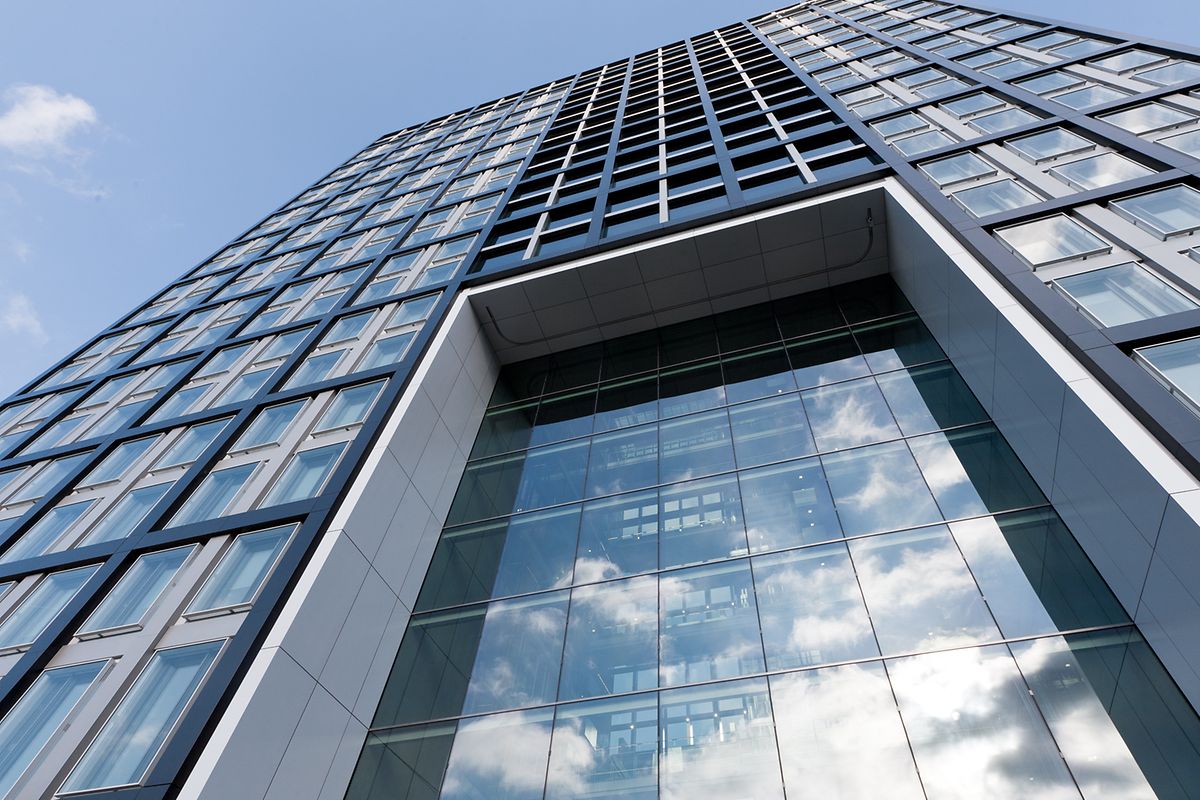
column 305, row 475
column 536, row 478
column 811, row 609
column 719, row 741
column 773, row 429
column 1049, row 144
column 245, row 386
column 47, row 478
column 843, row 734
column 127, row 514
column 511, row 556
column 632, row 402
column 1124, row 293
column 137, row 590
column 1179, row 364
column 501, row 757
column 505, row 429
column 127, row 744
column 1150, row 117
column 118, row 461
column 387, row 351
column 269, row 426
column 612, row 635
column 709, row 624
column 973, row 471
column 1034, row 575
column 42, row 535
column 314, row 368
column 787, row 505
column 605, row 750
column 37, row 716
column 191, row 444
column 618, row 536
column 919, row 591
column 992, row 198
column 974, row 729
column 623, row 460
column 929, row 398
column 849, row 414
column 214, row 495
column 1166, row 212
column 26, row 622
column 350, row 406
column 1188, row 143
column 242, row 569
column 700, row 521
column 695, row 446
column 404, row 762
column 758, row 374
column 1099, row 171
column 897, row 343
column 1052, row 239
column 957, row 168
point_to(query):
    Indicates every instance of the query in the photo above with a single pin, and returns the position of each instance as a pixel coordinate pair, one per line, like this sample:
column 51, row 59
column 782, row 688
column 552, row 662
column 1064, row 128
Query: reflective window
column 194, row 441
column 787, row 505
column 605, row 750
column 52, row 594
column 1167, row 212
column 708, row 624
column 350, row 406
column 618, row 536
column 43, row 534
column 962, row 167
column 118, row 461
column 1147, row 118
column 138, row 589
column 1177, row 364
column 1053, row 239
column 992, row 198
column 127, row 514
column 269, row 426
column 1188, row 143
column 214, row 494
column 1049, row 144
column 127, row 744
column 501, row 757
column 973, row 471
column 612, row 639
column 36, row 717
column 1123, row 293
column 305, row 475
column 1100, row 171
column 242, row 570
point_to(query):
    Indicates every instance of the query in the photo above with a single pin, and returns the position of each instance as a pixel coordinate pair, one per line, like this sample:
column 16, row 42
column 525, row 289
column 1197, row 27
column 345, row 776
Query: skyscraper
column 808, row 408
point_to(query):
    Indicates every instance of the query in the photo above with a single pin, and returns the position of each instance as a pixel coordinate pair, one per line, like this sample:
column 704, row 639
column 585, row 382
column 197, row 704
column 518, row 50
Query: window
column 118, row 461
column 1187, row 143
column 141, row 586
column 349, row 406
column 42, row 535
column 41, row 605
column 127, row 514
column 36, row 717
column 314, row 369
column 241, row 571
column 188, row 447
column 1177, row 364
column 1089, row 96
column 921, row 143
column 47, row 478
column 1049, row 144
column 1123, row 293
column 1166, row 212
column 1003, row 120
column 270, row 425
column 387, row 351
column 963, row 167
column 305, row 475
column 245, row 386
column 122, row 752
column 1046, row 241
column 992, row 198
column 214, row 495
column 1147, row 118
column 1099, row 171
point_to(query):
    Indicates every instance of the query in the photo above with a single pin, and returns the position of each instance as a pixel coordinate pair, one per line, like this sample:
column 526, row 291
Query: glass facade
column 672, row 556
column 790, row 554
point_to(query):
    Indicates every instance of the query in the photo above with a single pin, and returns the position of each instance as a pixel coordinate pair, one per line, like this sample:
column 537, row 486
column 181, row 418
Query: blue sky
column 138, row 137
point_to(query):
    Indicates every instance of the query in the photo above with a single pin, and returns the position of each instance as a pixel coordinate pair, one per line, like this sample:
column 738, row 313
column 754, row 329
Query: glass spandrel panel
column 700, row 521
column 1049, row 144
column 1057, row 238
column 242, row 570
column 708, row 626
column 623, row 460
column 929, row 398
column 127, row 744
column 618, row 536
column 515, row 555
column 38, row 608
column 1123, row 293
column 962, row 167
column 36, row 717
column 974, row 728
column 612, row 639
column 1167, row 212
column 834, row 723
column 771, row 429
column 920, row 592
column 1100, row 171
column 139, row 588
column 127, row 514
column 763, row 373
column 519, row 654
column 994, row 197
column 605, row 750
column 1149, row 117
column 848, row 414
column 537, row 478
column 214, row 494
column 810, row 608
column 973, row 471
column 499, row 757
column 696, row 387
column 719, row 741
column 403, row 762
column 787, row 505
column 694, row 446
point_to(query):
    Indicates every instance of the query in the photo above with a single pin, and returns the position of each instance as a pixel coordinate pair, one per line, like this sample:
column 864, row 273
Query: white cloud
column 19, row 317
column 40, row 121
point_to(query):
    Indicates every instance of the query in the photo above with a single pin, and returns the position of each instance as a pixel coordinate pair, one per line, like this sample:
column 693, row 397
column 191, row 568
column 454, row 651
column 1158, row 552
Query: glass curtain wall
column 781, row 552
